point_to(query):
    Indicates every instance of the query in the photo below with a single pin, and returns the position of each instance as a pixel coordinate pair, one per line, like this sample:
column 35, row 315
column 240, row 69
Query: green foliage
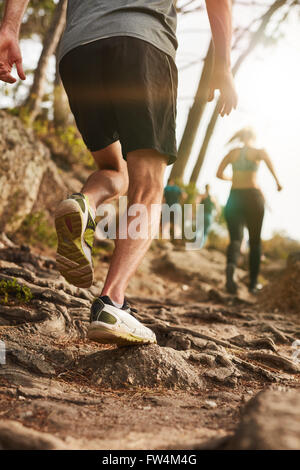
column 217, row 241
column 71, row 139
column 220, row 218
column 13, row 291
column 35, row 228
column 103, row 248
column 190, row 190
column 218, row 236
column 64, row 142
column 280, row 246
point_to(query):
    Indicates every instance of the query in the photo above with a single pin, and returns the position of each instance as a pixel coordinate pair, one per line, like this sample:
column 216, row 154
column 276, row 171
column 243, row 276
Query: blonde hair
column 244, row 135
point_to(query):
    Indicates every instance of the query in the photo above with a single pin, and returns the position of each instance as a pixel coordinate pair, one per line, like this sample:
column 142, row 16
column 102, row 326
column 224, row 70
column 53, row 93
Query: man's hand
column 222, row 79
column 220, row 18
column 10, row 54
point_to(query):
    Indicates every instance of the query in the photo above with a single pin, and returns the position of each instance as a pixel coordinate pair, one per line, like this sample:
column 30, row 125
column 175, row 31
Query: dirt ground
column 214, row 354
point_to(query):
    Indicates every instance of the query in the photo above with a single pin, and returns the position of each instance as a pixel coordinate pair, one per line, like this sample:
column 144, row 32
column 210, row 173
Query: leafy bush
column 190, row 190
column 35, row 228
column 280, row 246
column 217, row 241
column 65, row 142
column 12, row 291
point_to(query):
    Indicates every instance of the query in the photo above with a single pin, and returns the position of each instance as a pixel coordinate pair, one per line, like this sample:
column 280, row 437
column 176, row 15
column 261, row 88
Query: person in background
column 245, row 206
column 173, row 196
column 172, row 193
column 210, row 207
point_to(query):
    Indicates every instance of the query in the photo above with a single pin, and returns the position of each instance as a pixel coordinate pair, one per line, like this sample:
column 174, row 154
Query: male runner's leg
column 146, row 169
column 120, row 89
column 111, row 317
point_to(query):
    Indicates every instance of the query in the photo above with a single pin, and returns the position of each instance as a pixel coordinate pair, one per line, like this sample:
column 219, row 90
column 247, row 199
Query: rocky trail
column 221, row 377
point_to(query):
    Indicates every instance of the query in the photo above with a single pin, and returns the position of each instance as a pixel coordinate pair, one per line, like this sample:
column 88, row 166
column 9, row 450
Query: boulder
column 141, row 366
column 271, row 421
column 23, row 161
column 29, row 179
column 15, row 436
column 284, row 293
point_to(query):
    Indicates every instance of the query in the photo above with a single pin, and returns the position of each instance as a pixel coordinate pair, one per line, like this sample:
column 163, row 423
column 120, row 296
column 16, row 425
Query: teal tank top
column 243, row 163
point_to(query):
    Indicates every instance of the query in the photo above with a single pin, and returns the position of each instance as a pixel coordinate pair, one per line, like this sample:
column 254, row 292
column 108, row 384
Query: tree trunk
column 255, row 39
column 194, row 117
column 202, row 153
column 52, row 37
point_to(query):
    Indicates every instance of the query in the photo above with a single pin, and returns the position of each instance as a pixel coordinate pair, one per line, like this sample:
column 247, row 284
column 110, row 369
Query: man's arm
column 9, row 40
column 219, row 13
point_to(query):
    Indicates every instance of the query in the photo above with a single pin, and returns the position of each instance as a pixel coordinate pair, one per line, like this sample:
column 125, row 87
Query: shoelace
column 130, row 309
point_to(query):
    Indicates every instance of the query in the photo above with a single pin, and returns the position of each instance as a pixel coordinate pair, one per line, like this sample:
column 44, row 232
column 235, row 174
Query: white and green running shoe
column 75, row 227
column 113, row 325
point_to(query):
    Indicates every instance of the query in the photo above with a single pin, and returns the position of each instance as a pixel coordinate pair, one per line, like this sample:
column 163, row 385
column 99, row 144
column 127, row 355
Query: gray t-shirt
column 153, row 21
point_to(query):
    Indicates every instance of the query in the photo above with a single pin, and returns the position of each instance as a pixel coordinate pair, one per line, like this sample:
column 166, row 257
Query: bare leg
column 146, row 169
column 111, row 180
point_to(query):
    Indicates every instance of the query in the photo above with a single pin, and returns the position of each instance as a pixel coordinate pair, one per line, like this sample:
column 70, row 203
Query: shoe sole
column 103, row 335
column 71, row 260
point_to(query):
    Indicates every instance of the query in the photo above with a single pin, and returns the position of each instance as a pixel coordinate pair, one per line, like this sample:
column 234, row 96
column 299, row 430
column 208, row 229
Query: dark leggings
column 245, row 208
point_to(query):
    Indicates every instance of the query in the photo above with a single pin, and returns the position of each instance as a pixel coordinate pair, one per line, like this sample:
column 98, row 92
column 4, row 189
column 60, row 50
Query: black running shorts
column 122, row 88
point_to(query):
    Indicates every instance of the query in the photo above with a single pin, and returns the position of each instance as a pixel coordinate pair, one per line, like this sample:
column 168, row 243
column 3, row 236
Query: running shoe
column 75, row 227
column 255, row 288
column 113, row 325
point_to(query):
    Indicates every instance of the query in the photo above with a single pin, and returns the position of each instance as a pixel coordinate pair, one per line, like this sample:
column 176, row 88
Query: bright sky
column 269, row 101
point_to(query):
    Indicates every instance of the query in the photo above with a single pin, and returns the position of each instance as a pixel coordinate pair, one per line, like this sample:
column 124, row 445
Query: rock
column 293, row 259
column 52, row 189
column 271, row 421
column 159, row 401
column 143, row 366
column 223, row 360
column 259, row 343
column 23, row 161
column 15, row 436
column 178, row 341
column 29, row 179
column 21, row 313
column 32, row 361
column 208, row 404
column 186, row 265
column 199, row 343
column 284, row 293
column 223, row 375
column 211, row 346
column 203, row 359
